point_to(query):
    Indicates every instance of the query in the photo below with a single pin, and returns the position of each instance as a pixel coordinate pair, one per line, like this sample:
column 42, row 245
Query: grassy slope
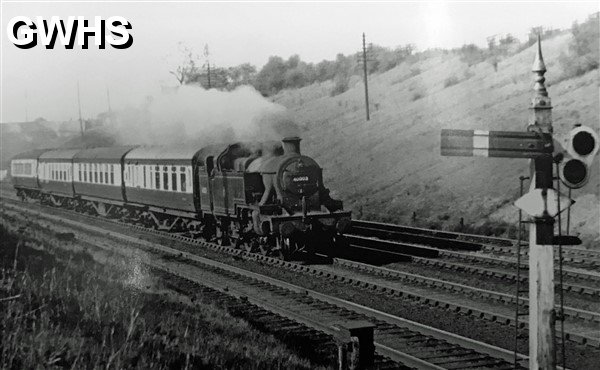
column 390, row 167
column 62, row 308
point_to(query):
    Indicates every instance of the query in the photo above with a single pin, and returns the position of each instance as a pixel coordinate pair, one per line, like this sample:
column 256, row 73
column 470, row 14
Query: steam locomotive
column 263, row 197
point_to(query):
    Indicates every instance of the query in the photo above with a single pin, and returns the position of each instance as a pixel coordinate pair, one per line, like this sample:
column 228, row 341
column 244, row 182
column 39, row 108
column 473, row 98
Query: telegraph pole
column 206, row 55
column 26, row 107
column 108, row 100
column 208, row 68
column 80, row 120
column 365, row 75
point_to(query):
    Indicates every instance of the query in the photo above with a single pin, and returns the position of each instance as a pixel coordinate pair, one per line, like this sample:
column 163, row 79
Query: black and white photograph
column 299, row 184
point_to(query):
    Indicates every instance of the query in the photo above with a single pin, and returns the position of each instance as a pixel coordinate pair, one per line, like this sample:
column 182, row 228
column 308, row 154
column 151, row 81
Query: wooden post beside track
column 542, row 353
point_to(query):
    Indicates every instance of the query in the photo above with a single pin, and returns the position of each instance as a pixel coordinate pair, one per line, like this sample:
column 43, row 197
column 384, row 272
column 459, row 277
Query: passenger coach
column 98, row 178
column 55, row 169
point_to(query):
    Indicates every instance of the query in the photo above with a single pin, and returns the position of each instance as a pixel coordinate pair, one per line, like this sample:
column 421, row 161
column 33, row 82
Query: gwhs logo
column 25, row 34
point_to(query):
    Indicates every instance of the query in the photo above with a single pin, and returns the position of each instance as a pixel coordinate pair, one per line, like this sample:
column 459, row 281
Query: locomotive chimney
column 291, row 145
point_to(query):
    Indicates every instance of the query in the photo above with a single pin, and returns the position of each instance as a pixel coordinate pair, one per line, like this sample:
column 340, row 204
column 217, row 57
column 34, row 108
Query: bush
column 451, row 81
column 417, row 90
column 341, row 84
column 416, row 95
column 583, row 53
column 471, row 54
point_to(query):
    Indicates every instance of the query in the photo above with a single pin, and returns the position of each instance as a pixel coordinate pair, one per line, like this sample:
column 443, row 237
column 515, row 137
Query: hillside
column 389, row 167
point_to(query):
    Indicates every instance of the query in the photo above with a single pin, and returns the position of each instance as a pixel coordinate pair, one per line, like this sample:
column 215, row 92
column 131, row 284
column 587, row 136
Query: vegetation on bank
column 63, row 309
column 292, row 73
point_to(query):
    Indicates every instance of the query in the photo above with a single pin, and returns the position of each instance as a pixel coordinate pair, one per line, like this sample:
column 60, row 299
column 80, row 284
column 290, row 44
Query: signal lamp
column 582, row 146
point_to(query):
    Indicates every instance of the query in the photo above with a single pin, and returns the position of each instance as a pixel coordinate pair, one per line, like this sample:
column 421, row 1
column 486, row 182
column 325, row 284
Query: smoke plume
column 192, row 115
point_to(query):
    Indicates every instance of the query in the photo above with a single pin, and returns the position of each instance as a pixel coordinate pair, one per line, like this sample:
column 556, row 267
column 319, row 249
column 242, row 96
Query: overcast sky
column 44, row 82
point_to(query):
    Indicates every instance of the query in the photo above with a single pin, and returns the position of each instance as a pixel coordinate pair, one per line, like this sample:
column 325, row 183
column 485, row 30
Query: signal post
column 542, row 316
column 542, row 202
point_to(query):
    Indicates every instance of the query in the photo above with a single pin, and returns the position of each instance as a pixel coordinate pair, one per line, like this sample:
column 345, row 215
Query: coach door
column 205, row 175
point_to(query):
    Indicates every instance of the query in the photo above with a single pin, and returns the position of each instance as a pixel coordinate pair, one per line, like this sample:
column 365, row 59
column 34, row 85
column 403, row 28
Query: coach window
column 182, row 182
column 112, row 174
column 144, row 175
column 100, row 173
column 157, row 177
column 106, row 179
column 96, row 173
column 165, row 178
column 174, row 178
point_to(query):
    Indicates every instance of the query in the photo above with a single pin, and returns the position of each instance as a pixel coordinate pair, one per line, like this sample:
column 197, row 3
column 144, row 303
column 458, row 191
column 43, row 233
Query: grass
column 64, row 309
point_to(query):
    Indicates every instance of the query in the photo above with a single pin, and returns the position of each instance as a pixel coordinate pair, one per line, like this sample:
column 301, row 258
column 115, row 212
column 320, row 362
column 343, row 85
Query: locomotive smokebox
column 291, row 145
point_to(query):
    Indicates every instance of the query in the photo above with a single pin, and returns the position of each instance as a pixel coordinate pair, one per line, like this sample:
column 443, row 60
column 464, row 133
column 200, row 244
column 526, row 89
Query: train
column 264, row 197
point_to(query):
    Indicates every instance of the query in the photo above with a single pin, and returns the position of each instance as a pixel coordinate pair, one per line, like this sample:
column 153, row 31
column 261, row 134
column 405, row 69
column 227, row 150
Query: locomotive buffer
column 541, row 203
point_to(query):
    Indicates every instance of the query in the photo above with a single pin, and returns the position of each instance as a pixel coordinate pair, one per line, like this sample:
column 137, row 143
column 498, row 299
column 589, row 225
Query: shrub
column 471, row 54
column 468, row 74
column 451, row 81
column 583, row 53
column 417, row 90
column 416, row 95
column 341, row 84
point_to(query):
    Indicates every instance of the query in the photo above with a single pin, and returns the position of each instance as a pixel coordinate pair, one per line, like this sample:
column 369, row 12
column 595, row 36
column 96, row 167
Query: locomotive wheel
column 287, row 248
column 266, row 245
column 251, row 246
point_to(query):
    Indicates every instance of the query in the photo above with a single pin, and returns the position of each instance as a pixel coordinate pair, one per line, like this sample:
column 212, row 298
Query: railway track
column 577, row 257
column 581, row 326
column 576, row 281
column 413, row 344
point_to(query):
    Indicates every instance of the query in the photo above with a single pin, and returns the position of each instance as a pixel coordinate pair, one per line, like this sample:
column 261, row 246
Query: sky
column 39, row 82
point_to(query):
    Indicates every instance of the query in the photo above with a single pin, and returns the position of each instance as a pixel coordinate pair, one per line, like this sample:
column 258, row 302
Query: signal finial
column 541, row 119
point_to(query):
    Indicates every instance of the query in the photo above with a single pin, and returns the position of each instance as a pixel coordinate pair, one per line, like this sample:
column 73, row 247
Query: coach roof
column 162, row 153
column 32, row 154
column 104, row 154
column 62, row 155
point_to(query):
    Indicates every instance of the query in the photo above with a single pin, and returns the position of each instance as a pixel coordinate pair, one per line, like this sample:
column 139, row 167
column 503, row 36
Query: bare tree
column 187, row 69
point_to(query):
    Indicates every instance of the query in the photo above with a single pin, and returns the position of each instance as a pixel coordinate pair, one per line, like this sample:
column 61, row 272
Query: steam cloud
column 192, row 115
